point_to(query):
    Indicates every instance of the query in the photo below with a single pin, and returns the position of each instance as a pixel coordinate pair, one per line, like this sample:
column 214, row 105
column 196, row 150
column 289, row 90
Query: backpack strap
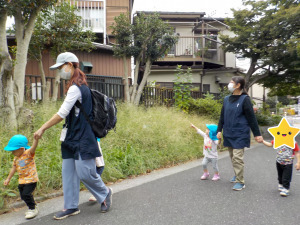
column 79, row 105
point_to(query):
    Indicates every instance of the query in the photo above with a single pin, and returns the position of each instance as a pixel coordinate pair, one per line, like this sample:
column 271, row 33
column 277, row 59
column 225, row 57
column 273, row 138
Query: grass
column 145, row 140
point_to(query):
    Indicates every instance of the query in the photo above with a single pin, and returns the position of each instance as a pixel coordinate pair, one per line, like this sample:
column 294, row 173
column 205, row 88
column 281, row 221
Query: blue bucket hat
column 16, row 142
column 212, row 131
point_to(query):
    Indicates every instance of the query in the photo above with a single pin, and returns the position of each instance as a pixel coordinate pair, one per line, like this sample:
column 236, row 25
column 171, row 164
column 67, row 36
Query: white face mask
column 230, row 87
column 65, row 72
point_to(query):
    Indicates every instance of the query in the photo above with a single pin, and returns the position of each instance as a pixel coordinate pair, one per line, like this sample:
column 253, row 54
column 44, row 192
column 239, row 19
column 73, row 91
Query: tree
column 265, row 33
column 151, row 39
column 59, row 30
column 12, row 75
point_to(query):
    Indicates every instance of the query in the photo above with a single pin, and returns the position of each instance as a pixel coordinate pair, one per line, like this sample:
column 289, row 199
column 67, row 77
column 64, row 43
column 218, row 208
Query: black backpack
column 104, row 113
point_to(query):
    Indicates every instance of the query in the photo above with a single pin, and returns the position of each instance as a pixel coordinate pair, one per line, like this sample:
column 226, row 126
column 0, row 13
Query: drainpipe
column 104, row 21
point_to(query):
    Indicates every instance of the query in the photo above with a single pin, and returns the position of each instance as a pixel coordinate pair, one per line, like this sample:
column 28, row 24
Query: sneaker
column 285, row 192
column 92, row 199
column 233, row 180
column 238, row 186
column 66, row 213
column 205, row 176
column 280, row 187
column 107, row 202
column 31, row 213
column 216, row 177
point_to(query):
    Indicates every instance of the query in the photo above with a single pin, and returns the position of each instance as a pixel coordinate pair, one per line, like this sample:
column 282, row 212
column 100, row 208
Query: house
column 198, row 47
column 104, row 71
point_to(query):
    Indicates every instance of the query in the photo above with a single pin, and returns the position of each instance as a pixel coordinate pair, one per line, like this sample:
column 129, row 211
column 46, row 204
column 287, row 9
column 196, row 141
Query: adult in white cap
column 79, row 145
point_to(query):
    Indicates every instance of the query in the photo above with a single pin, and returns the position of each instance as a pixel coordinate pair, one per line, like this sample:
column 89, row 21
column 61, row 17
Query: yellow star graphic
column 284, row 134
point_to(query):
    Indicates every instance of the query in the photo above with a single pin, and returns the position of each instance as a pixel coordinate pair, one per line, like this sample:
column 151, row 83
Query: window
column 206, row 88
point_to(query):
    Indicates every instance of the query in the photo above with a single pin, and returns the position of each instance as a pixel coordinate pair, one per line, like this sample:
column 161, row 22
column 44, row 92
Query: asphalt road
column 183, row 198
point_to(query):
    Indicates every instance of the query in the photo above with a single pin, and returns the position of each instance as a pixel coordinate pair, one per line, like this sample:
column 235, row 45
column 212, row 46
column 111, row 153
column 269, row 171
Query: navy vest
column 236, row 129
column 80, row 138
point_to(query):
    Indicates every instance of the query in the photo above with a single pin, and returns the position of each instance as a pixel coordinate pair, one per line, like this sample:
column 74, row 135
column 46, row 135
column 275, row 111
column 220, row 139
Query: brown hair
column 78, row 77
column 240, row 80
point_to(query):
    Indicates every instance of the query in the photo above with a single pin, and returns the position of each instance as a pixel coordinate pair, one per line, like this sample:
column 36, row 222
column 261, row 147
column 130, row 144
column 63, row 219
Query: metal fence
column 165, row 96
column 110, row 86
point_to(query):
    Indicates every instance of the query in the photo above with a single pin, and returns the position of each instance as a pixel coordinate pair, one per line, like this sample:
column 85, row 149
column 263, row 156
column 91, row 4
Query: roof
column 102, row 46
column 185, row 15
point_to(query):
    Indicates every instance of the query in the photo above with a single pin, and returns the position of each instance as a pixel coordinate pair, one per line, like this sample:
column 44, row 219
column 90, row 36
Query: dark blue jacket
column 80, row 138
column 236, row 129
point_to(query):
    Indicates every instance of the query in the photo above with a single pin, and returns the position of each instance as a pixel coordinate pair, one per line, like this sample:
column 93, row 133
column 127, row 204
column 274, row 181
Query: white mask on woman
column 65, row 72
column 230, row 87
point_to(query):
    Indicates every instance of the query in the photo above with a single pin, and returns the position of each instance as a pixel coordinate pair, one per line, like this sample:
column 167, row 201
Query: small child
column 284, row 164
column 25, row 165
column 209, row 150
column 99, row 167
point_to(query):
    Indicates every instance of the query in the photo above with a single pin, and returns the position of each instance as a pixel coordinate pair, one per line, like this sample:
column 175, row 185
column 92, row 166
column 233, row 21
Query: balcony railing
column 195, row 48
column 92, row 13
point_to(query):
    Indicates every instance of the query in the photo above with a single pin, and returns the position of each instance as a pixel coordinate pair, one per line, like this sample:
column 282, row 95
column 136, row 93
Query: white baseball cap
column 63, row 58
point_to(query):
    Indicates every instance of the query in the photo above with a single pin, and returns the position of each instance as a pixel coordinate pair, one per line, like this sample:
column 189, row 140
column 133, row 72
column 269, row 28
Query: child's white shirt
column 210, row 147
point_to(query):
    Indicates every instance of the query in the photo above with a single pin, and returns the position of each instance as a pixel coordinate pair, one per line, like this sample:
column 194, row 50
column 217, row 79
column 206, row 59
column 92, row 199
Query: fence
column 110, row 86
column 164, row 96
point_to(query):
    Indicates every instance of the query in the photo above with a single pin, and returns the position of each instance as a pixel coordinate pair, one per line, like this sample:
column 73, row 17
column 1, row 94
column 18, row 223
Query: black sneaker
column 66, row 213
column 107, row 202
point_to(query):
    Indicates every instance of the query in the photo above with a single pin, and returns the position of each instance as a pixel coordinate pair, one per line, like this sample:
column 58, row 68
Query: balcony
column 191, row 48
column 92, row 13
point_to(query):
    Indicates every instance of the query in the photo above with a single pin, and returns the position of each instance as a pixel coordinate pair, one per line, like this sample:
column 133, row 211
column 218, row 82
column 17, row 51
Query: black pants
column 284, row 174
column 26, row 191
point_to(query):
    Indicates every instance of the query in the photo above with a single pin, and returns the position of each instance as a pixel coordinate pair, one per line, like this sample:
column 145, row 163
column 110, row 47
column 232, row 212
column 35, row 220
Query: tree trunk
column 143, row 83
column 44, row 82
column 6, row 82
column 249, row 73
column 127, row 96
column 136, row 74
column 55, row 88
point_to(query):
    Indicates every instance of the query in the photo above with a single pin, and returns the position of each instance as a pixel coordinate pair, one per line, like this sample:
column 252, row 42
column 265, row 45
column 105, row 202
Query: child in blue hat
column 25, row 165
column 210, row 151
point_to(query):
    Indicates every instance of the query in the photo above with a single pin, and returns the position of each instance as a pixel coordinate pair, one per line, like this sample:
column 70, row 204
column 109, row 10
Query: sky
column 213, row 8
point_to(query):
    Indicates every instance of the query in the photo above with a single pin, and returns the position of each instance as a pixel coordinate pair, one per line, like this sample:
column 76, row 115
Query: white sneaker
column 280, row 187
column 92, row 199
column 31, row 213
column 285, row 192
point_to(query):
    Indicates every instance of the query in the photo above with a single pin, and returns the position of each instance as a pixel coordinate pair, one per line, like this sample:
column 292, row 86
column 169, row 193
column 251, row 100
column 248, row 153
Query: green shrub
column 267, row 120
column 206, row 107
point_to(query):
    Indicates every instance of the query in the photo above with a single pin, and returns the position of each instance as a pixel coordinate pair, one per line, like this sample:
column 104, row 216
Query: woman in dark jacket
column 236, row 120
column 79, row 146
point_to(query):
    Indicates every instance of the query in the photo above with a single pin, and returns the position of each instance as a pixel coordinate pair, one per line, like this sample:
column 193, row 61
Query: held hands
column 39, row 133
column 259, row 139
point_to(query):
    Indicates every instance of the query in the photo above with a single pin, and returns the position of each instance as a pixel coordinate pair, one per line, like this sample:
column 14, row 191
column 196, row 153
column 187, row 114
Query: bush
column 267, row 120
column 206, row 107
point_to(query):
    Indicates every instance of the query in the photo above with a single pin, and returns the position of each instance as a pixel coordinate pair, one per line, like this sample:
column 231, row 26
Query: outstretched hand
column 193, row 126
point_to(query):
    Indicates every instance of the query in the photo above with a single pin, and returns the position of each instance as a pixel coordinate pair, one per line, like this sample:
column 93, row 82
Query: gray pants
column 74, row 171
column 214, row 162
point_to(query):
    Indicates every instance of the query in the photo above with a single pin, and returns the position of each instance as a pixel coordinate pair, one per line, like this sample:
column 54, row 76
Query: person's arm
column 250, row 116
column 297, row 166
column 10, row 175
column 269, row 144
column 33, row 146
column 54, row 120
column 221, row 123
column 198, row 130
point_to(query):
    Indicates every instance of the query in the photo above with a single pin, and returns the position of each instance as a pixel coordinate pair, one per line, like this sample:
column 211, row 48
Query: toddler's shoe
column 280, row 187
column 31, row 213
column 205, row 176
column 285, row 192
column 216, row 177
